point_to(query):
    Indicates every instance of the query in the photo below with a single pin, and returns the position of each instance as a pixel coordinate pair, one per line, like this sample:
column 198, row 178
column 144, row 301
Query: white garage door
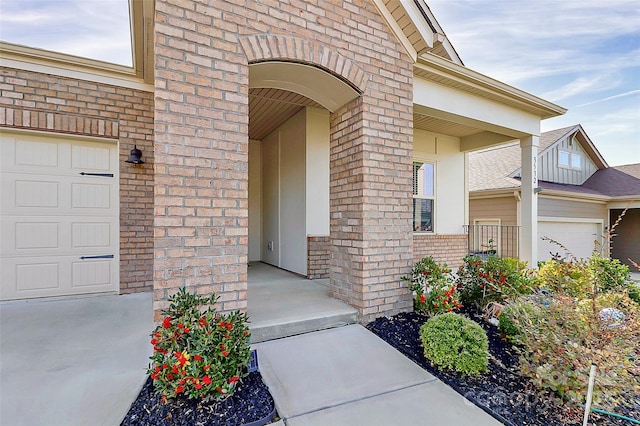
column 58, row 216
column 578, row 237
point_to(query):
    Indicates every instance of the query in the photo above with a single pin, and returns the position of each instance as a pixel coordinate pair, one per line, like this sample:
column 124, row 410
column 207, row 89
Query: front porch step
column 281, row 304
column 271, row 330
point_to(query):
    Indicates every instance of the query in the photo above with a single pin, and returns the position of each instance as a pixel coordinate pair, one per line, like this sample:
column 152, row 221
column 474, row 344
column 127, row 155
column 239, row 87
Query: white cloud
column 609, row 98
column 98, row 29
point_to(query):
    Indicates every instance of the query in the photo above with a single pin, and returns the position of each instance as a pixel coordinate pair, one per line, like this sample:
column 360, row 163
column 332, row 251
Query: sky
column 583, row 55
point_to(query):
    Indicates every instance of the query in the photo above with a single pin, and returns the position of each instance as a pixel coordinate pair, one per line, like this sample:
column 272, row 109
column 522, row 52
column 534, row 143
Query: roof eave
column 458, row 74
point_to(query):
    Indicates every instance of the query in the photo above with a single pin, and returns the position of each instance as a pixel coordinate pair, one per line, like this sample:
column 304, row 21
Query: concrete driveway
column 78, row 361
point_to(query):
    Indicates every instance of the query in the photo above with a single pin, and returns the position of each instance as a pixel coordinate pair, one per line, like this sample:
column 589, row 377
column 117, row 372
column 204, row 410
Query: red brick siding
column 318, row 255
column 449, row 249
column 48, row 103
column 202, row 54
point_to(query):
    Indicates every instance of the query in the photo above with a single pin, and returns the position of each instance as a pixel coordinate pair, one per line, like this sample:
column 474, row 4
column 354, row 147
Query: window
column 570, row 160
column 423, row 196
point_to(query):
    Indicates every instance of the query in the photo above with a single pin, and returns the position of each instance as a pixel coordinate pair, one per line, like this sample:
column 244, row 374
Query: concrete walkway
column 79, row 361
column 348, row 376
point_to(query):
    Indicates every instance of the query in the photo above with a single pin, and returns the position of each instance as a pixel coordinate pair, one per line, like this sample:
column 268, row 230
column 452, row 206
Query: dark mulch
column 502, row 391
column 250, row 402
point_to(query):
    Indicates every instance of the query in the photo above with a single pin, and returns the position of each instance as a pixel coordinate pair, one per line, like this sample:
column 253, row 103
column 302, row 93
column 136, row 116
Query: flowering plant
column 198, row 353
column 433, row 288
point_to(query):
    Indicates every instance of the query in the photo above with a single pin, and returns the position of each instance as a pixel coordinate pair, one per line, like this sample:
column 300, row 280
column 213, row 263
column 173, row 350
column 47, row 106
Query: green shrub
column 454, row 342
column 196, row 352
column 433, row 288
column 513, row 313
column 559, row 341
column 583, row 277
column 481, row 282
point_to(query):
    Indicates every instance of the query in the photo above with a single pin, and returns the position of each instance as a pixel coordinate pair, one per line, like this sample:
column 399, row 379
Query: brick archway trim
column 272, row 47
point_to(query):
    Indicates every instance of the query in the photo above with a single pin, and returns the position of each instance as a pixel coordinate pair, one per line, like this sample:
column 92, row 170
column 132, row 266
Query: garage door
column 578, row 237
column 58, row 216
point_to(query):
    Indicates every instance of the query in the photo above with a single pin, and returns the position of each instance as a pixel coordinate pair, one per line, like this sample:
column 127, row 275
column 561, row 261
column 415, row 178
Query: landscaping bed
column 251, row 403
column 502, row 391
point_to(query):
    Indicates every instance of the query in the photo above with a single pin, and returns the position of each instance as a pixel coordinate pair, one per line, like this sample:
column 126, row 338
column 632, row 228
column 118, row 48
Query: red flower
column 154, row 342
column 225, row 353
column 234, row 379
column 423, row 299
column 198, row 386
column 174, row 369
column 197, row 358
column 222, row 346
column 246, row 332
column 206, row 367
column 170, row 376
column 180, row 325
column 186, row 330
column 229, row 326
column 202, row 321
column 167, row 322
column 165, row 366
column 154, row 376
column 206, row 380
column 179, row 389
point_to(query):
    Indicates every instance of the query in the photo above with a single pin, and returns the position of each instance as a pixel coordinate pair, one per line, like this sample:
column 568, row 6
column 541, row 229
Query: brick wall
column 203, row 51
column 318, row 255
column 449, row 249
column 48, row 103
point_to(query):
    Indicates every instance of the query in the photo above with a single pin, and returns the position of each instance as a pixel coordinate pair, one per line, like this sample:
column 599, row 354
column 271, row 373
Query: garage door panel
column 51, row 235
column 578, row 237
column 36, row 235
column 92, row 273
column 46, row 276
column 90, row 158
column 60, row 229
column 91, row 196
column 32, row 153
column 37, row 276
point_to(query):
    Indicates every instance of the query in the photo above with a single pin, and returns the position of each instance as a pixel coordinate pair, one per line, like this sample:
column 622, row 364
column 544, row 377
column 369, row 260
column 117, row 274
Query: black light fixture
column 135, row 157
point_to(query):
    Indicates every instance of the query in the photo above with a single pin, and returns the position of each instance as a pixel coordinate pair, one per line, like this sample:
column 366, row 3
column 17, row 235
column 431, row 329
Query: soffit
column 406, row 24
column 271, row 108
column 437, row 125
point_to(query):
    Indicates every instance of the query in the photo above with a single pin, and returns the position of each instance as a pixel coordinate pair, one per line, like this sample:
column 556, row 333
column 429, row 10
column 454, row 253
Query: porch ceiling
column 270, row 108
column 438, row 125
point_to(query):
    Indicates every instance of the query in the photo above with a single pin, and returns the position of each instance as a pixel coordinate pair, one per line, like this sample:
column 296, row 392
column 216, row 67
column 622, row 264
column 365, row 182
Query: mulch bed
column 251, row 402
column 502, row 391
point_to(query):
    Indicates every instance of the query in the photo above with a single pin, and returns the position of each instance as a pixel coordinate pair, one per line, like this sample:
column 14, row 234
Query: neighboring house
column 291, row 134
column 579, row 197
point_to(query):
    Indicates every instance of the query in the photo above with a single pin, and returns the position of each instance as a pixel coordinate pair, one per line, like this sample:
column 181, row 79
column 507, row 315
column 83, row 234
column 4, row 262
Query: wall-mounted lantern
column 135, row 157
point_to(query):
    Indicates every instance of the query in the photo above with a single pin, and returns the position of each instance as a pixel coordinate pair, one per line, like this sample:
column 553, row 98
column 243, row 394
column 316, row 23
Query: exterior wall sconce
column 135, row 157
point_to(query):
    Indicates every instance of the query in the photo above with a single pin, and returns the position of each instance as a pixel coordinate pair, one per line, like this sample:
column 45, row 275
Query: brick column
column 370, row 198
column 201, row 156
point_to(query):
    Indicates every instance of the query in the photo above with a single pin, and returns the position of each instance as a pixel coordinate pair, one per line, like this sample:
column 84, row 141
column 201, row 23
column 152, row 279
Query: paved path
column 349, row 376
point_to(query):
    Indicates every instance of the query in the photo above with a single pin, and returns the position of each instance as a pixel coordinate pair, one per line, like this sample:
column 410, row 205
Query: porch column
column 370, row 207
column 529, row 201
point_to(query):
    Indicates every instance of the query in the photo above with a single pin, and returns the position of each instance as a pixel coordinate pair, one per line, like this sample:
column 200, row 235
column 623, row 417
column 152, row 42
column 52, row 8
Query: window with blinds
column 423, row 196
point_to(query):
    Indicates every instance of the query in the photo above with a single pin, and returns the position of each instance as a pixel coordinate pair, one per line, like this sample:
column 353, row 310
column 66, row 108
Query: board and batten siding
column 558, row 207
column 549, row 170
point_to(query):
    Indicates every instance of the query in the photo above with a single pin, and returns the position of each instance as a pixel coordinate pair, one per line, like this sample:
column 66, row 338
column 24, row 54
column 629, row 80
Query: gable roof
column 498, row 167
column 616, row 181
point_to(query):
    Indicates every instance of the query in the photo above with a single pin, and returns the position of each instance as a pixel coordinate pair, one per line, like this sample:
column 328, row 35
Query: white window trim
column 423, row 160
column 571, row 154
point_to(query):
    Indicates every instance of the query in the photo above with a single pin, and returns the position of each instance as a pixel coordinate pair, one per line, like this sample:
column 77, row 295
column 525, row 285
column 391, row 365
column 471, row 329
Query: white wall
column 293, row 237
column 317, row 196
column 451, row 195
column 255, row 200
column 295, row 189
column 271, row 198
